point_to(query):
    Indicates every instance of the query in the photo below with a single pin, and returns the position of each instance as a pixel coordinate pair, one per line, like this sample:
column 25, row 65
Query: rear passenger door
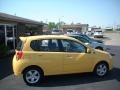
column 47, row 54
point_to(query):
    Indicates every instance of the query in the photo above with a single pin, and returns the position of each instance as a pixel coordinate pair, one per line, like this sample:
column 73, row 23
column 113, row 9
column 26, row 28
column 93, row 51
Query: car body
column 38, row 56
column 89, row 33
column 98, row 34
column 86, row 36
column 97, row 44
column 56, row 32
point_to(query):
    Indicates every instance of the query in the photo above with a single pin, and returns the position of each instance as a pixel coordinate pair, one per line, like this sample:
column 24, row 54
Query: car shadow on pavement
column 76, row 79
column 6, row 66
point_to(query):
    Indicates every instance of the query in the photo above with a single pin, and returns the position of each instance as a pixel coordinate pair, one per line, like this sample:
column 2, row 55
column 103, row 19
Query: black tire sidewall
column 95, row 70
column 32, row 84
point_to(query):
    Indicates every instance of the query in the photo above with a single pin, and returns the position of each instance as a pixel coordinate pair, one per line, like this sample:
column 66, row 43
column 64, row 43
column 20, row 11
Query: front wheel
column 101, row 69
column 32, row 76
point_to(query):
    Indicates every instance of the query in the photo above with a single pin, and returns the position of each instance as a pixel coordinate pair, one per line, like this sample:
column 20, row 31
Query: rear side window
column 19, row 45
column 39, row 45
column 50, row 45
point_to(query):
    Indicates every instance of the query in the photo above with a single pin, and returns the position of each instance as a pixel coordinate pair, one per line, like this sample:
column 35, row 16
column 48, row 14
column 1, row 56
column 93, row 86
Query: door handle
column 40, row 55
column 69, row 56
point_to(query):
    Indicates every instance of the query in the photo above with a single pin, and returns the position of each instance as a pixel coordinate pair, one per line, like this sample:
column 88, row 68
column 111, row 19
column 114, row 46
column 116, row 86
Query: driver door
column 76, row 58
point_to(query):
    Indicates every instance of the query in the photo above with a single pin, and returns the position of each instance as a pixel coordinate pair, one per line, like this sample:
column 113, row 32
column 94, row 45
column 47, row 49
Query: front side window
column 72, row 46
column 50, row 45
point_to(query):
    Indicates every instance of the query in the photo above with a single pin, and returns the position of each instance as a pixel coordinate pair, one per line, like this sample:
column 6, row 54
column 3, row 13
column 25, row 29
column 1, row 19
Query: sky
column 92, row 12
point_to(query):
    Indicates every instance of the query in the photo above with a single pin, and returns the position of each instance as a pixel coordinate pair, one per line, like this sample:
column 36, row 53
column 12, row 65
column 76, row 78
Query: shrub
column 3, row 50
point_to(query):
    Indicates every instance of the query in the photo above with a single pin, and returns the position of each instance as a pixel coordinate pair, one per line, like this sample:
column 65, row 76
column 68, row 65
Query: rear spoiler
column 23, row 39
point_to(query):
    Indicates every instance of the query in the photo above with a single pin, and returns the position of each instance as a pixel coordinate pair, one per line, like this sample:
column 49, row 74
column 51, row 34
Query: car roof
column 71, row 35
column 47, row 37
column 74, row 34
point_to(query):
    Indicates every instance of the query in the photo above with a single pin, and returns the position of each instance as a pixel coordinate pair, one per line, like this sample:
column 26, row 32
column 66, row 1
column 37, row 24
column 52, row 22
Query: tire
column 101, row 69
column 32, row 76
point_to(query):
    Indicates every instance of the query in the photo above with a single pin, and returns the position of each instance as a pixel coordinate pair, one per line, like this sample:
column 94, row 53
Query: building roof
column 74, row 25
column 13, row 18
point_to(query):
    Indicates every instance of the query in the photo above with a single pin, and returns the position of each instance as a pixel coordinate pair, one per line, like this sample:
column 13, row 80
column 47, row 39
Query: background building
column 12, row 27
column 76, row 27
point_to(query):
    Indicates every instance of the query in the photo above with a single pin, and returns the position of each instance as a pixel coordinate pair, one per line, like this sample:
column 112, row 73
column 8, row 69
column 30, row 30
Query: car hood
column 100, row 51
column 99, row 41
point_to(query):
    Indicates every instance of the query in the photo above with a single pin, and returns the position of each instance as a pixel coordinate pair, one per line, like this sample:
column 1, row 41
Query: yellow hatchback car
column 38, row 56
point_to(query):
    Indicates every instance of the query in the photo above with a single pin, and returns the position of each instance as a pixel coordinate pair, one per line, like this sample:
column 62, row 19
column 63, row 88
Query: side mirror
column 89, row 50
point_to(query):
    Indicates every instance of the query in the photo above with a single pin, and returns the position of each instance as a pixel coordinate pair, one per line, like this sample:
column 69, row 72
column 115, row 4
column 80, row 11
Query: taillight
column 19, row 55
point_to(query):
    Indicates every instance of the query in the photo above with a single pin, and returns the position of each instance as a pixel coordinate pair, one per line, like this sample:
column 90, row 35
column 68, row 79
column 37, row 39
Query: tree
column 52, row 25
column 60, row 25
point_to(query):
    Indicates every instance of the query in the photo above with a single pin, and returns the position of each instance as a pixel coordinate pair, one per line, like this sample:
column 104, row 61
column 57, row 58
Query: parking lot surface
column 68, row 82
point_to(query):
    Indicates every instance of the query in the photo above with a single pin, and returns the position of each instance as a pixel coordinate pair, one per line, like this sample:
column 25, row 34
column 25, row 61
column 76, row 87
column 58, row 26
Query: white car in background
column 98, row 34
column 89, row 33
column 70, row 31
column 57, row 32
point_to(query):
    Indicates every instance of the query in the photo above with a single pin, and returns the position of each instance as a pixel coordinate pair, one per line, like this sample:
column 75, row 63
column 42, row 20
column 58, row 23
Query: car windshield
column 87, row 38
column 70, row 31
column 56, row 31
column 98, row 31
column 82, row 39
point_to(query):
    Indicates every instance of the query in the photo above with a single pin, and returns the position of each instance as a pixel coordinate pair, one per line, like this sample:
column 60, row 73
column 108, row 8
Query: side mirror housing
column 89, row 50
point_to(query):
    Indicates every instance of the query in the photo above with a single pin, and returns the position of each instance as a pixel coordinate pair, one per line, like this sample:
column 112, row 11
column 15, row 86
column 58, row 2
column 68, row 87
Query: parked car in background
column 70, row 31
column 56, row 32
column 87, row 37
column 97, row 44
column 98, row 34
column 89, row 33
column 39, row 56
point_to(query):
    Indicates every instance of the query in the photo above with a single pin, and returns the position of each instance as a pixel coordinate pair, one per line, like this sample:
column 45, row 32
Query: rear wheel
column 101, row 69
column 32, row 76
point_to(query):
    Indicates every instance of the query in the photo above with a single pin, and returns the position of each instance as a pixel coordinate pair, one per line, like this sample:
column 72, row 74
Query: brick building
column 76, row 27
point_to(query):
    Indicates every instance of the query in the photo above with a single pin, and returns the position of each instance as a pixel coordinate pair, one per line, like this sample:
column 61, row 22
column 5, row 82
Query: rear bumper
column 110, row 64
column 17, row 70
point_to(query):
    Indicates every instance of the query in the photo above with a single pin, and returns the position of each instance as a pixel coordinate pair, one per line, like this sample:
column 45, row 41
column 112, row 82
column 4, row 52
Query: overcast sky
column 92, row 12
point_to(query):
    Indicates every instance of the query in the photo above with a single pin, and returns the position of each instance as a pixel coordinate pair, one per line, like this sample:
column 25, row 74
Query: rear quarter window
column 19, row 45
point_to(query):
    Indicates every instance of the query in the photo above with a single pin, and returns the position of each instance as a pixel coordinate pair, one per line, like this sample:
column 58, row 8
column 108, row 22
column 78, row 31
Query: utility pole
column 58, row 23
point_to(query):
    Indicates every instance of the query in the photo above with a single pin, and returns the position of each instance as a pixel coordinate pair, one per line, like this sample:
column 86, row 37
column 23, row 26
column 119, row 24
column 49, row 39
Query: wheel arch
column 99, row 47
column 33, row 66
column 103, row 61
